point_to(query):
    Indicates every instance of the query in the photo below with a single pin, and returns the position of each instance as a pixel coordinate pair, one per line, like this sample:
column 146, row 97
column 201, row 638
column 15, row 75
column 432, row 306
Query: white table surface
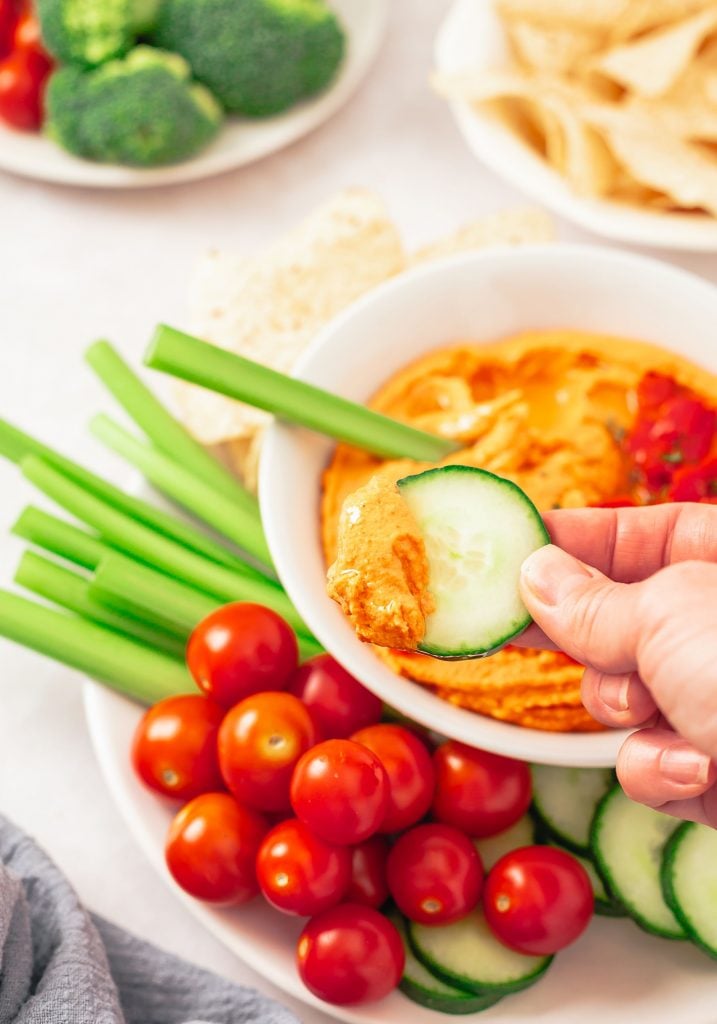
column 76, row 265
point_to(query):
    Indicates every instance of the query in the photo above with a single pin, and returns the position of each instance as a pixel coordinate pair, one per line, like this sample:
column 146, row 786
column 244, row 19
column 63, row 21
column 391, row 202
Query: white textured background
column 76, row 265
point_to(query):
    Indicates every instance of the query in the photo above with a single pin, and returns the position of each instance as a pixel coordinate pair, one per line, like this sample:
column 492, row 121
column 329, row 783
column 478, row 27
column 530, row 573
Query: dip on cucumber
column 431, row 563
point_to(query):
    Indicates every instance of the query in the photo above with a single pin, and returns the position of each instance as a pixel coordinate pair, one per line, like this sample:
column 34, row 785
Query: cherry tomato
column 340, row 790
column 434, row 874
column 212, row 847
column 22, row 88
column 260, row 741
column 409, row 769
column 300, row 873
column 26, row 32
column 368, row 873
column 242, row 649
column 174, row 750
column 8, row 20
column 538, row 899
column 350, row 955
column 478, row 792
column 339, row 703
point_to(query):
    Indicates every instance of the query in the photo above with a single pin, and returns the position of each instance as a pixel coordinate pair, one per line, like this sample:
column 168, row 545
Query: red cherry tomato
column 340, row 790
column 242, row 649
column 212, row 847
column 300, row 873
column 409, row 769
column 434, row 874
column 538, row 899
column 478, row 792
column 368, row 873
column 8, row 20
column 26, row 32
column 350, row 955
column 260, row 742
column 339, row 703
column 23, row 75
column 174, row 750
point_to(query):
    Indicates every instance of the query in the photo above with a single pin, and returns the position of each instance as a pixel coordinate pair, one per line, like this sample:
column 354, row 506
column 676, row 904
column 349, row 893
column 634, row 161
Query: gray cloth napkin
column 61, row 965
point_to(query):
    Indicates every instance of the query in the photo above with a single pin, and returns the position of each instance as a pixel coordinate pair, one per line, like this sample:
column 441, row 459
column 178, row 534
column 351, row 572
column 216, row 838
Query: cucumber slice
column 565, row 799
column 467, row 954
column 627, row 842
column 492, row 848
column 426, row 989
column 478, row 529
column 689, row 882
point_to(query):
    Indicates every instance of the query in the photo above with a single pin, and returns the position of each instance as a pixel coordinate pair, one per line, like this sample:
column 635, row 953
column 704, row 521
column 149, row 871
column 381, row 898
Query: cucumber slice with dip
column 478, row 529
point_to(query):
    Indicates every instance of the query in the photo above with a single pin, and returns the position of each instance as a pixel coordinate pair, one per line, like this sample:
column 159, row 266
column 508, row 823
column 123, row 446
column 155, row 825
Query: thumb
column 586, row 614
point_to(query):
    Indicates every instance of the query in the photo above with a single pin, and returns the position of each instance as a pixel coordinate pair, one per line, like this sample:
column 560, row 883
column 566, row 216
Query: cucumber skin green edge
column 461, row 982
column 669, row 856
column 437, row 652
column 604, row 875
column 544, row 830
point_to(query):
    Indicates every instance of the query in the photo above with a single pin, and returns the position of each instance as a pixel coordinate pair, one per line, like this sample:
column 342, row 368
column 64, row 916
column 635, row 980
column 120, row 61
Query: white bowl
column 480, row 296
column 472, row 39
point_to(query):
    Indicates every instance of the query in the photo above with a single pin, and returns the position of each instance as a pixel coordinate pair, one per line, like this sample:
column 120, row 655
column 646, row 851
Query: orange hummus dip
column 543, row 409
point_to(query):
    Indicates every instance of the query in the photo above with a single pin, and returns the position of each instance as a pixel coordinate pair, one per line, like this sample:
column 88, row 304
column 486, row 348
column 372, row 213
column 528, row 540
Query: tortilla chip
column 510, row 227
column 579, row 14
column 652, row 64
column 552, row 49
column 270, row 308
column 644, row 15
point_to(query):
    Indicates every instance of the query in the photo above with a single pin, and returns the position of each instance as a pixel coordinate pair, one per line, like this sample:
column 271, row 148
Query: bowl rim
column 579, row 749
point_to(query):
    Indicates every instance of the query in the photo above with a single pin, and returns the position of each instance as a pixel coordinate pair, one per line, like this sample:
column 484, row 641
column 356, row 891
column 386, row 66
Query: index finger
column 630, row 544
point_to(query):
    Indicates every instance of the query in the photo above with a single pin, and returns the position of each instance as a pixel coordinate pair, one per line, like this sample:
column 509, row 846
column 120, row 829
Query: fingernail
column 550, row 572
column 683, row 764
column 613, row 691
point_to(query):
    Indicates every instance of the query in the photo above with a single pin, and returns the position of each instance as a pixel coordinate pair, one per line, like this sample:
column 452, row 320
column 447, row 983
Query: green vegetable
column 141, row 110
column 236, row 584
column 231, row 520
column 162, row 429
column 69, row 590
column 61, row 538
column 90, row 32
column 125, row 665
column 294, row 400
column 15, row 445
column 257, row 56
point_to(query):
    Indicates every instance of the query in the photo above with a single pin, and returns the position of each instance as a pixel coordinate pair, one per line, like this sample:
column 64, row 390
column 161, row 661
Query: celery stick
column 134, row 588
column 121, row 663
column 202, row 500
column 162, row 428
column 235, row 584
column 15, row 445
column 71, row 591
column 59, row 537
column 294, row 400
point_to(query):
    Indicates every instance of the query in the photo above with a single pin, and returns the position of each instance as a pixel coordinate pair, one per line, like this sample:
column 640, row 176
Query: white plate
column 615, row 974
column 481, row 296
column 471, row 39
column 240, row 142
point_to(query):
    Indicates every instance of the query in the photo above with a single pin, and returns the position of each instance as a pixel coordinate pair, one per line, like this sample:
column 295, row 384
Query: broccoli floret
column 257, row 56
column 90, row 32
column 142, row 110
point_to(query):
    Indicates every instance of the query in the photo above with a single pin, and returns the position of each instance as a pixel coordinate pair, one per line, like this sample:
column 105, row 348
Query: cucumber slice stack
column 565, row 800
column 478, row 529
column 689, row 882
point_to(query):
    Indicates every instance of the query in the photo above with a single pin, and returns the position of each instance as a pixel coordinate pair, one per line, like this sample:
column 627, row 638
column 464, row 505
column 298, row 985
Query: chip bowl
column 479, row 297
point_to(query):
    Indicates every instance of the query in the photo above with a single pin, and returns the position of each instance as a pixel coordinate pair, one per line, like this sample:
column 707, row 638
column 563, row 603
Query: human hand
column 632, row 594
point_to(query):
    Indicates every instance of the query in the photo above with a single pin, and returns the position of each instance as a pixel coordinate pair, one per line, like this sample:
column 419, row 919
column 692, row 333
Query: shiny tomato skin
column 300, row 873
column 241, row 649
column 369, row 886
column 340, row 790
column 350, row 955
column 410, row 773
column 434, row 874
column 260, row 741
column 478, row 792
column 23, row 75
column 538, row 900
column 174, row 750
column 339, row 703
column 211, row 849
